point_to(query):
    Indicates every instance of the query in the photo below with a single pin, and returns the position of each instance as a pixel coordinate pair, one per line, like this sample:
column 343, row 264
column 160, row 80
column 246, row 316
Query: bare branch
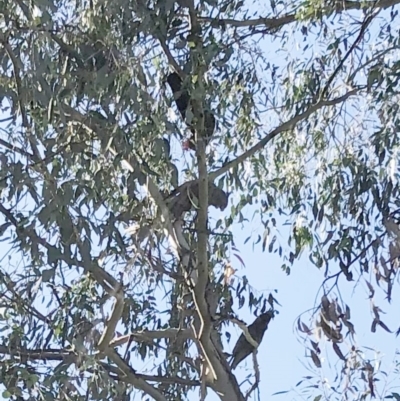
column 15, row 148
column 46, row 354
column 170, row 57
column 113, row 320
column 133, row 378
column 116, row 374
column 269, row 23
column 257, row 375
column 246, row 333
column 16, row 63
column 145, row 336
column 368, row 19
column 17, row 68
column 199, row 68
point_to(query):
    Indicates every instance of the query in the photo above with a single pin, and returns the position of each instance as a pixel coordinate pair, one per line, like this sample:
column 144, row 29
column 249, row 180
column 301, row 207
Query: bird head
column 265, row 317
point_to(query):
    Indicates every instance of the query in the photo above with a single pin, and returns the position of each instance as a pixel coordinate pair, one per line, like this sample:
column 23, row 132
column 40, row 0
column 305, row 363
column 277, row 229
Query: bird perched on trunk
column 182, row 100
column 257, row 329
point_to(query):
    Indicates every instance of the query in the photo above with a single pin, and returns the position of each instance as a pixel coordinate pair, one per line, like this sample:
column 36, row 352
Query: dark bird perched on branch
column 182, row 201
column 182, row 100
column 257, row 329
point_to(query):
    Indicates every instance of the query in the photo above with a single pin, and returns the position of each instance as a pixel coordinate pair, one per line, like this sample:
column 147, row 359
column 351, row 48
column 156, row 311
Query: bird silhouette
column 182, row 100
column 257, row 329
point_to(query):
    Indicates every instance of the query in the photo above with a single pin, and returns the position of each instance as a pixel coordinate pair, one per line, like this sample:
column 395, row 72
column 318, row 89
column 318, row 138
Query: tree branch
column 283, row 127
column 198, row 69
column 116, row 375
column 257, row 375
column 275, row 23
column 112, row 322
column 368, row 19
column 17, row 67
column 246, row 333
column 269, row 23
column 145, row 336
column 15, row 148
column 132, row 377
column 43, row 354
column 176, row 240
column 108, row 282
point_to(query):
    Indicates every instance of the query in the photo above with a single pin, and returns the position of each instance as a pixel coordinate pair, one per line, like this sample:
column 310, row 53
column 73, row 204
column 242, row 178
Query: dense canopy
column 134, row 135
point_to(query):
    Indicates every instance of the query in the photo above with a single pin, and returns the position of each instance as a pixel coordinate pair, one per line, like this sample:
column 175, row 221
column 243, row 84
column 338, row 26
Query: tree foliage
column 117, row 244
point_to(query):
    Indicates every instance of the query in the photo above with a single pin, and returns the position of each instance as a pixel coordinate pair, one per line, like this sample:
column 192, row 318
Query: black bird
column 257, row 329
column 181, row 95
column 182, row 100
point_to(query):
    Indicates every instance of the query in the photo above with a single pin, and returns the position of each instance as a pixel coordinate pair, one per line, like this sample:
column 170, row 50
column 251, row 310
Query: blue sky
column 281, row 354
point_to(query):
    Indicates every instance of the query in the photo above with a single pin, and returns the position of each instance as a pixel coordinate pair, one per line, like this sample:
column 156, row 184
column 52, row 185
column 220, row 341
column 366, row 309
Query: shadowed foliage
column 127, row 262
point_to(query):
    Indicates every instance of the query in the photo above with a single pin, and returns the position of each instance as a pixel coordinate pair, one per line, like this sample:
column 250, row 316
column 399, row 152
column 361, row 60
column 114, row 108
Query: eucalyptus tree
column 135, row 134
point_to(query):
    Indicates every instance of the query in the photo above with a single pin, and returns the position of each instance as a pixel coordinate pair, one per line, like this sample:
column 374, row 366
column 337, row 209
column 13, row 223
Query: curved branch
column 275, row 23
column 283, row 127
